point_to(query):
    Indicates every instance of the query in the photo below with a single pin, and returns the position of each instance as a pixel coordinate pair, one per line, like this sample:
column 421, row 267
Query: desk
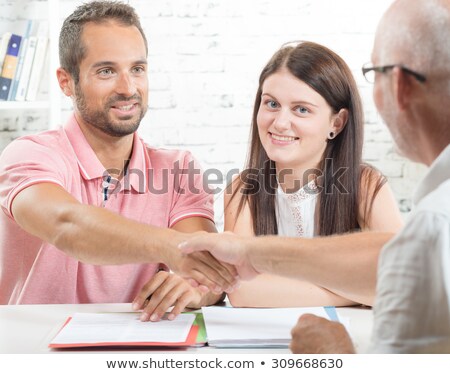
column 29, row 328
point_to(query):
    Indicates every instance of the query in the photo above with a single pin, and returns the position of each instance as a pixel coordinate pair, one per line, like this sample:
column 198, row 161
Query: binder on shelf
column 38, row 62
column 3, row 48
column 22, row 52
column 15, row 81
column 9, row 66
column 22, row 86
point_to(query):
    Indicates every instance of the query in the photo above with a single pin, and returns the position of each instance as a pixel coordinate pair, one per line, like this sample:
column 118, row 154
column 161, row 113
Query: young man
column 411, row 63
column 86, row 209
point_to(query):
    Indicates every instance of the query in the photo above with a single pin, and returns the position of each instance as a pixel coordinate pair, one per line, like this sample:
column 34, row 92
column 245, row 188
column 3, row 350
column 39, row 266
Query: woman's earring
column 331, row 135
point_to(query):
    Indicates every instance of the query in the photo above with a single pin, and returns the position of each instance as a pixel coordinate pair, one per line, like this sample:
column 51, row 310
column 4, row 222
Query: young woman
column 305, row 176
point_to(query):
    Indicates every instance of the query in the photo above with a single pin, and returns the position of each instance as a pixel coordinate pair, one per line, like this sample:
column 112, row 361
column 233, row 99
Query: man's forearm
column 89, row 233
column 344, row 264
column 97, row 236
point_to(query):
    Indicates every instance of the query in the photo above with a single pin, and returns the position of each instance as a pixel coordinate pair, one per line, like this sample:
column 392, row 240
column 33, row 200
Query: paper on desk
column 121, row 329
column 253, row 327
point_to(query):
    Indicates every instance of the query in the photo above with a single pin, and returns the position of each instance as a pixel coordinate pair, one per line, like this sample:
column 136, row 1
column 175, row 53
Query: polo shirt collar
column 136, row 173
column 439, row 172
column 92, row 168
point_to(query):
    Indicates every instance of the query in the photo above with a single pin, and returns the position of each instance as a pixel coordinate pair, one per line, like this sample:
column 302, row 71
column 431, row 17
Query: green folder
column 200, row 322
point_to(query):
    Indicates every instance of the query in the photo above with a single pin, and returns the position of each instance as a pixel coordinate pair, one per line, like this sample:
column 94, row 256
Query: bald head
column 415, row 33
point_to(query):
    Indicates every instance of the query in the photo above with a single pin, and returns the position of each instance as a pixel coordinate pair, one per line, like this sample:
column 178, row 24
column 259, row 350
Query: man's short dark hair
column 71, row 49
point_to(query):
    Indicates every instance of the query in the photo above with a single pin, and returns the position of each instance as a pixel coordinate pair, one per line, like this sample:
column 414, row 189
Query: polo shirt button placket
column 105, row 190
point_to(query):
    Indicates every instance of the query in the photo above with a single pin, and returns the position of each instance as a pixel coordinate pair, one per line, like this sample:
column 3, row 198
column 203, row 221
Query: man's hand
column 202, row 269
column 226, row 247
column 314, row 334
column 163, row 291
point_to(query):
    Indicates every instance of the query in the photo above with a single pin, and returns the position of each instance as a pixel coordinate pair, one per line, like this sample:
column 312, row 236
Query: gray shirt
column 411, row 312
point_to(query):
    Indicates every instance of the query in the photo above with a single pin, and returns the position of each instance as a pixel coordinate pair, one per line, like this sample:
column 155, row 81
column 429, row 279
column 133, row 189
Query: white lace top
column 295, row 211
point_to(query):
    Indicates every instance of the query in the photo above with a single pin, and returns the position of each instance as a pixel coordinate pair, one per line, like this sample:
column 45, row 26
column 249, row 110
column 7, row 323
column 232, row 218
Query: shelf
column 23, row 105
column 39, row 10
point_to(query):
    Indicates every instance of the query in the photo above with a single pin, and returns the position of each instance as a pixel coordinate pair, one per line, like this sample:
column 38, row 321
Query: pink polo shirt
column 155, row 191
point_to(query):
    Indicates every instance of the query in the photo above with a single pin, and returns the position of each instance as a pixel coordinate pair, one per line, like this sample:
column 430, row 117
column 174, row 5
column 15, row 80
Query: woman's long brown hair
column 337, row 211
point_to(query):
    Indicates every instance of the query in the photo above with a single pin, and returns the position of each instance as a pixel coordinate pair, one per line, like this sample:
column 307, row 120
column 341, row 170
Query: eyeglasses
column 369, row 72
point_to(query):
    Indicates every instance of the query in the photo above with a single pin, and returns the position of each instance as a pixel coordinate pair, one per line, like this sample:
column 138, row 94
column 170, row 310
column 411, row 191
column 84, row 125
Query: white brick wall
column 205, row 59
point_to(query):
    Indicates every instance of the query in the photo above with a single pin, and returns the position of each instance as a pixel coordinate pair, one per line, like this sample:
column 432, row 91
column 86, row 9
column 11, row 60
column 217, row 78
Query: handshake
column 204, row 266
column 215, row 262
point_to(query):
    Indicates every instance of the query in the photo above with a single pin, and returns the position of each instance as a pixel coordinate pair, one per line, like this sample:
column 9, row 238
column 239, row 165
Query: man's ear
column 65, row 81
column 339, row 121
column 402, row 86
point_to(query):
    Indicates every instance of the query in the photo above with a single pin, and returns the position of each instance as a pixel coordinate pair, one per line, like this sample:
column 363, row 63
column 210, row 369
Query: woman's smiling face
column 294, row 122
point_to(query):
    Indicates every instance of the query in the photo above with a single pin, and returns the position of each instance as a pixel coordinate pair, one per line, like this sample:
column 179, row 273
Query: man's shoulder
column 50, row 141
column 437, row 201
column 432, row 213
column 427, row 221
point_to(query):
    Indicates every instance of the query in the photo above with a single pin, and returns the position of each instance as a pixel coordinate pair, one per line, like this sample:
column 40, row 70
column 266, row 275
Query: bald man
column 411, row 64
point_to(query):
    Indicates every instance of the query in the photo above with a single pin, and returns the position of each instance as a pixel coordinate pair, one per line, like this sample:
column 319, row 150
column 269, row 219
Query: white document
column 253, row 327
column 122, row 328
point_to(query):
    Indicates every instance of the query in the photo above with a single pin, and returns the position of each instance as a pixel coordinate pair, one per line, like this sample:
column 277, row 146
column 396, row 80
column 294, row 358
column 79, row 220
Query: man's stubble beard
column 99, row 118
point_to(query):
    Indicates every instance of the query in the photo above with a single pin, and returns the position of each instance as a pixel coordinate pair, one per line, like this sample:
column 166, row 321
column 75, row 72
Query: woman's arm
column 238, row 222
column 384, row 214
column 269, row 290
column 272, row 291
